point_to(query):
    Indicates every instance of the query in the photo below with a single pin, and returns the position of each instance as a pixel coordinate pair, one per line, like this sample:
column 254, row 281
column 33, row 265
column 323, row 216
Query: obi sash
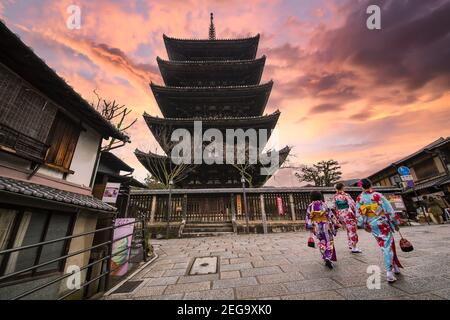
column 371, row 210
column 319, row 216
column 341, row 204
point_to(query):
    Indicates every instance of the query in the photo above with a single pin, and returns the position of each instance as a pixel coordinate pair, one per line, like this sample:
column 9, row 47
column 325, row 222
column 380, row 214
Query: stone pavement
column 281, row 266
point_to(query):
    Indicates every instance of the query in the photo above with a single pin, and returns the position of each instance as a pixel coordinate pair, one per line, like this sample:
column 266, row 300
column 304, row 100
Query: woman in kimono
column 345, row 210
column 322, row 223
column 376, row 215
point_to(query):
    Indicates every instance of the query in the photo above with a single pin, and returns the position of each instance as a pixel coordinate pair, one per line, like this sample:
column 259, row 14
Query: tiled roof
column 48, row 193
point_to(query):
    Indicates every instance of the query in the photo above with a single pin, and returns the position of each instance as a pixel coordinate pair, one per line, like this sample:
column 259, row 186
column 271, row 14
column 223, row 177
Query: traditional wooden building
column 50, row 142
column 217, row 82
column 430, row 169
column 113, row 169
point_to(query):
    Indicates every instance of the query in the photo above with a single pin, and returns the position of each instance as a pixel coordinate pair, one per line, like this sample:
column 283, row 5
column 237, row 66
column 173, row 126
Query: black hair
column 366, row 183
column 316, row 196
column 339, row 186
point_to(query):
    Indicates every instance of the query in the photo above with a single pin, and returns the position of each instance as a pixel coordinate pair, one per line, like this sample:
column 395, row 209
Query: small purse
column 311, row 242
column 405, row 245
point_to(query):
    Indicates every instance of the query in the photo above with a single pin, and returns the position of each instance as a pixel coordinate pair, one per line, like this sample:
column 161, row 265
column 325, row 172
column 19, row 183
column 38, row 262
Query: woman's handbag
column 311, row 242
column 405, row 245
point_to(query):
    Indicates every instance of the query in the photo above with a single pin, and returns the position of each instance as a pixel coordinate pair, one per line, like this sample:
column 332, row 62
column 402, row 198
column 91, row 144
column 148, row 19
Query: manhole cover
column 204, row 265
column 128, row 287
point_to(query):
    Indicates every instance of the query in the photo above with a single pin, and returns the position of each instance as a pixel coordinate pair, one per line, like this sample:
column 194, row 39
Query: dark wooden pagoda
column 216, row 81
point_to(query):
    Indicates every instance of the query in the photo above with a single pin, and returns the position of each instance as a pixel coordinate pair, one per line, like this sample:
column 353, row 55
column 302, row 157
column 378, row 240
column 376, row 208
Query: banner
column 111, row 192
column 280, row 206
column 119, row 251
column 238, row 204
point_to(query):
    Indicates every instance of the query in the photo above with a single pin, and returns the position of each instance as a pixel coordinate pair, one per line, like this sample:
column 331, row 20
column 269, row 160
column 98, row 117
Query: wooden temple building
column 216, row 81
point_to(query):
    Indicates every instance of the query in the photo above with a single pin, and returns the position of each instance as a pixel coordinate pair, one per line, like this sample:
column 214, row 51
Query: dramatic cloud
column 364, row 97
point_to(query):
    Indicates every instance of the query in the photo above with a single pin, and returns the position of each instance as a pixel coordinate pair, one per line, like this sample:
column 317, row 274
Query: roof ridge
column 273, row 114
column 257, row 36
column 265, row 84
column 158, row 58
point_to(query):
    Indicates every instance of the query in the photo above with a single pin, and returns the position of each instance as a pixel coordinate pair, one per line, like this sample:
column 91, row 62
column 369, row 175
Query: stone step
column 212, row 224
column 204, row 234
column 208, row 228
column 193, row 229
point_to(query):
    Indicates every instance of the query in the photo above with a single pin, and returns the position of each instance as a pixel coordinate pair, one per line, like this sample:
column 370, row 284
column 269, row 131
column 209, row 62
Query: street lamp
column 245, row 203
column 169, row 208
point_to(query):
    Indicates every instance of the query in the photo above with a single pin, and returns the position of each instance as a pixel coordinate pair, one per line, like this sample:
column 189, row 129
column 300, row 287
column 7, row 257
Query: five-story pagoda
column 217, row 82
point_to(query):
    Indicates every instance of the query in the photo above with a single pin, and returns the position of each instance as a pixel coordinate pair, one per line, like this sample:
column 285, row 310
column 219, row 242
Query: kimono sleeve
column 359, row 217
column 329, row 212
column 308, row 222
column 351, row 203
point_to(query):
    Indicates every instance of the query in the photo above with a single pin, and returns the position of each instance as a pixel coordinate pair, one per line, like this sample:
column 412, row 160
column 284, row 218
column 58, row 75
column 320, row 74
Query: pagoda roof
column 162, row 128
column 207, row 49
column 203, row 175
column 211, row 73
column 248, row 100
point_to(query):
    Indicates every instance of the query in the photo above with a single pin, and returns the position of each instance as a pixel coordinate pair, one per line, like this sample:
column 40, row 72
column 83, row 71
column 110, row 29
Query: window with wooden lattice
column 63, row 141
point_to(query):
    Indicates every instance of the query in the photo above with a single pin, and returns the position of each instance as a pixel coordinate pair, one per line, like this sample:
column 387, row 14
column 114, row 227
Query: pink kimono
column 346, row 212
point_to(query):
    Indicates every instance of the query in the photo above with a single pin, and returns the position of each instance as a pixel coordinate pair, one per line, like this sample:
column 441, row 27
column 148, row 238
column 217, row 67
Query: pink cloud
column 344, row 93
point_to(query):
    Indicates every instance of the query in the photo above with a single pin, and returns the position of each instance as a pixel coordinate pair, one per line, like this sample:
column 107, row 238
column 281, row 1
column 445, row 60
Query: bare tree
column 247, row 170
column 116, row 114
column 161, row 167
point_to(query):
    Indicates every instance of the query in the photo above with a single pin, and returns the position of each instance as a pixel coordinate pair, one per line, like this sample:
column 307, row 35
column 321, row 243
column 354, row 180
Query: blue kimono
column 375, row 214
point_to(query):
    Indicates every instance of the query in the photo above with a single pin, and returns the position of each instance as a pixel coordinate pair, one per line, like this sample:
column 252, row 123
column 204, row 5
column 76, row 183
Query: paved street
column 281, row 266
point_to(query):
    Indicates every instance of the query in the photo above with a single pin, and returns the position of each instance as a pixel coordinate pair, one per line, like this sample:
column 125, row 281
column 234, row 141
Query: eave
column 221, row 100
column 206, row 49
column 211, row 73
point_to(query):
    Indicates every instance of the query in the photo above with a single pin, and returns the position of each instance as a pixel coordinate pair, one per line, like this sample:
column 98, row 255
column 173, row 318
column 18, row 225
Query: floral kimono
column 345, row 209
column 321, row 221
column 376, row 215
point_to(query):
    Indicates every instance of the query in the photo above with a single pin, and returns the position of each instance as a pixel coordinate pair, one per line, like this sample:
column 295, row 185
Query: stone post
column 184, row 208
column 263, row 213
column 291, row 202
column 153, row 210
column 233, row 213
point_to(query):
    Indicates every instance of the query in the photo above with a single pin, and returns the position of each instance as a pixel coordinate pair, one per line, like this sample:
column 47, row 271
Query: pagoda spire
column 212, row 29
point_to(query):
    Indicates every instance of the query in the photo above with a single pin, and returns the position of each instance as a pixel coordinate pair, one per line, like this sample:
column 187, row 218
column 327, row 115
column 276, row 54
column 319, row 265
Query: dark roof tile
column 48, row 193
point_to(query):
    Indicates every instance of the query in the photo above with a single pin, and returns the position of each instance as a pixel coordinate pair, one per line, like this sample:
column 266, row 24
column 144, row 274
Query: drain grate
column 204, row 265
column 128, row 286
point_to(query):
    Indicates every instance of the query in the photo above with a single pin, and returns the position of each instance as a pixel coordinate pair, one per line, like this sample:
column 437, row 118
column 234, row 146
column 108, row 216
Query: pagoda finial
column 212, row 29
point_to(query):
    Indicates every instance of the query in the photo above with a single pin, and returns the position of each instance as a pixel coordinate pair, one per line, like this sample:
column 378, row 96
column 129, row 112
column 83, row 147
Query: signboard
column 404, row 171
column 396, row 202
column 406, row 177
column 238, row 204
column 280, row 206
column 120, row 253
column 111, row 192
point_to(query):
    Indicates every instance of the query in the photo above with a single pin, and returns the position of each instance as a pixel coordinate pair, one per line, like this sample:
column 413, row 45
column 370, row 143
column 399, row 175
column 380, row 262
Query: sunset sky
column 362, row 97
